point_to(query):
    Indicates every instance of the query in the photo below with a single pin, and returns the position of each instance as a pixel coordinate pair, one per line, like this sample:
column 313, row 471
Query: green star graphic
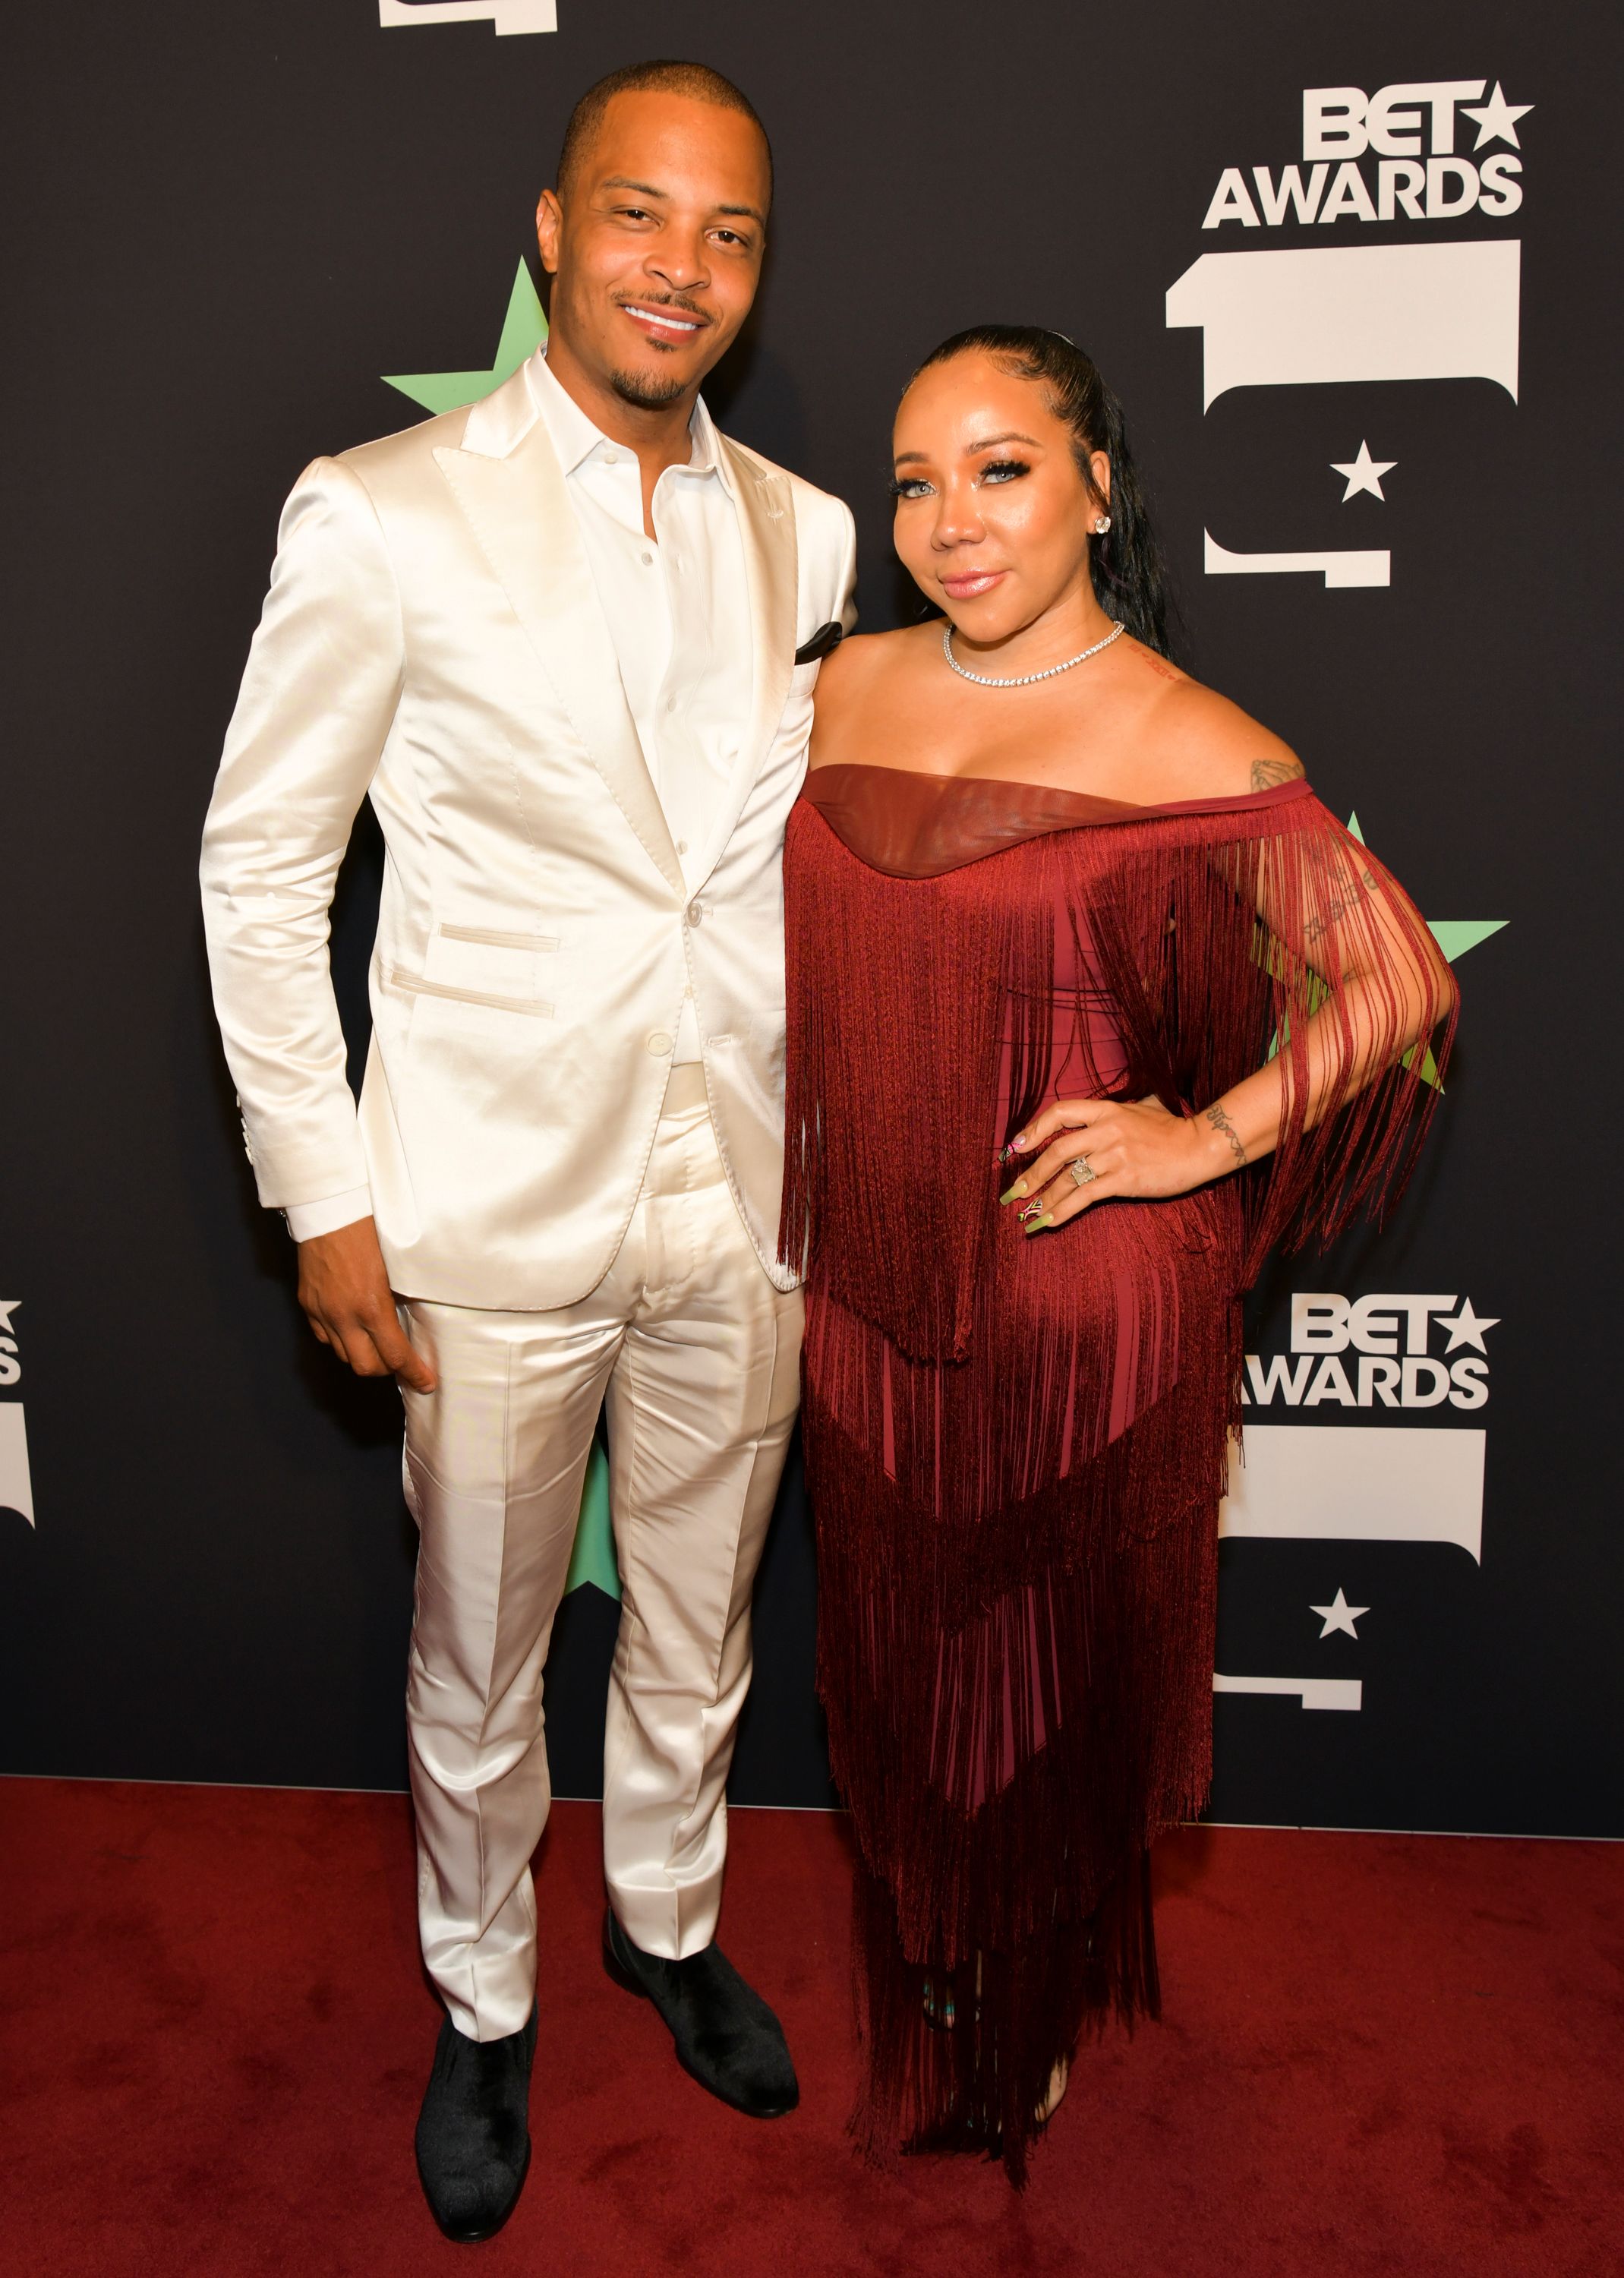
column 592, row 1559
column 524, row 328
column 1453, row 935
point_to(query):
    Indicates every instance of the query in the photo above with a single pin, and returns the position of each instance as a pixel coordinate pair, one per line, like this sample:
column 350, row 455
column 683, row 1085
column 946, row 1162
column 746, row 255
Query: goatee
column 644, row 393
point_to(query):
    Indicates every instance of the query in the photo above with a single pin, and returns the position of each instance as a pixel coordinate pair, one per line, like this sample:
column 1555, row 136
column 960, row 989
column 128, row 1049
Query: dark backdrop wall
column 1376, row 397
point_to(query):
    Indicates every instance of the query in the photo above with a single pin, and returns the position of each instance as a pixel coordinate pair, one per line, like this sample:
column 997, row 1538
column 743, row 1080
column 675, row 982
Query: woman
column 1052, row 906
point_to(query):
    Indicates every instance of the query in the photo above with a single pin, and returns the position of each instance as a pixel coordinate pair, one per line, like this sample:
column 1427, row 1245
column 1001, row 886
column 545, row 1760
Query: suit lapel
column 767, row 526
column 515, row 499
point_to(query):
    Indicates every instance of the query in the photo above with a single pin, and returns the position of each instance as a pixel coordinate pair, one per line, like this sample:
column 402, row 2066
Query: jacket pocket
column 415, row 985
column 490, row 939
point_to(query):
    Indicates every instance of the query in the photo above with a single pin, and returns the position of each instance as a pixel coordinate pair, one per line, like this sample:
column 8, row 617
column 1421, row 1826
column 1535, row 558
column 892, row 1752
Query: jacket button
column 658, row 1044
column 696, row 911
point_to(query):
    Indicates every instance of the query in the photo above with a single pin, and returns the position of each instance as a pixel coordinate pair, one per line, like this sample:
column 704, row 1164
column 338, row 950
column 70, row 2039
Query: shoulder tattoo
column 1266, row 773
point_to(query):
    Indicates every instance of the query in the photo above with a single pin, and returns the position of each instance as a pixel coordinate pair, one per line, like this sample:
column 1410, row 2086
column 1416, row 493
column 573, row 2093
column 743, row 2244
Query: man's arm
column 847, row 575
column 317, row 699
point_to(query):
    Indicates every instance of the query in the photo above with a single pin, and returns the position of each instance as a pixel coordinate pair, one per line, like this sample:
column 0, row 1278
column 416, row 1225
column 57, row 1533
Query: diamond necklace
column 1024, row 679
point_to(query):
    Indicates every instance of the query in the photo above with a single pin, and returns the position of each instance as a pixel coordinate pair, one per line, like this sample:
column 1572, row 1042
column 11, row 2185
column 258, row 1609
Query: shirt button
column 657, row 1045
column 671, row 704
column 696, row 912
column 610, row 460
column 682, row 846
column 647, row 560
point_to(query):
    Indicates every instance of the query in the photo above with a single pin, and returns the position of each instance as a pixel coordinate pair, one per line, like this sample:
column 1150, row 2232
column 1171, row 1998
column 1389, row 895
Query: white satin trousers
column 697, row 1355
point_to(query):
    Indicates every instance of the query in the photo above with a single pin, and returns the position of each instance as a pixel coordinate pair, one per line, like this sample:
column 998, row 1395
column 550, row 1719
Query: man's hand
column 348, row 1301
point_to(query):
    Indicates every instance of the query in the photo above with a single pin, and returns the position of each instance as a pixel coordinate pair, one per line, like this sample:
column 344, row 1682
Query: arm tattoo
column 1266, row 773
column 1220, row 1122
column 1339, row 907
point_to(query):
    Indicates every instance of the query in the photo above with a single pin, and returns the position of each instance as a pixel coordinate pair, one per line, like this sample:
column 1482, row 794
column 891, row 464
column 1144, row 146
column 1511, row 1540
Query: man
column 554, row 639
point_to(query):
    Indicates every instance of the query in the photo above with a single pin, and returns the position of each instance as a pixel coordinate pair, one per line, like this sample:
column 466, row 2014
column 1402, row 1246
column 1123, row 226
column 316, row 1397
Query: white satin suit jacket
column 432, row 639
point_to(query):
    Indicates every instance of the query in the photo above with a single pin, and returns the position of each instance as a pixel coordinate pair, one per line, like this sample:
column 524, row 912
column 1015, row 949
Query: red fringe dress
column 1016, row 1447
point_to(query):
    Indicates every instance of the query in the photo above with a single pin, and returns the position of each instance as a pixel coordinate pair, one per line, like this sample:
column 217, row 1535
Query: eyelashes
column 996, row 471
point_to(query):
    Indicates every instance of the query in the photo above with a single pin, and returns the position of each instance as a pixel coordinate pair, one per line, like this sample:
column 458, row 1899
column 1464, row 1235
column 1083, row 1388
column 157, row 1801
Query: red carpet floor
column 1380, row 2055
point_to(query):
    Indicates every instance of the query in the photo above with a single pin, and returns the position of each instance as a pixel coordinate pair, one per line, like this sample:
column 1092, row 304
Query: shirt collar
column 575, row 437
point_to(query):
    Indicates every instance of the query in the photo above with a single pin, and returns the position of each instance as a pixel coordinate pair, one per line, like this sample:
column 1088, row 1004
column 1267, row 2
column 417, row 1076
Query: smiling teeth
column 654, row 316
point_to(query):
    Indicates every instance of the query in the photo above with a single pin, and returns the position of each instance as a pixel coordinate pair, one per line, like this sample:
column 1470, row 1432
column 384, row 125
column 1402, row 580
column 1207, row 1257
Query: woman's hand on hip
column 1122, row 1147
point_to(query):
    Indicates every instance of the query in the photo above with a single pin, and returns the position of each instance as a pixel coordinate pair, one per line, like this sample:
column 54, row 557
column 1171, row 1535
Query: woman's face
column 993, row 515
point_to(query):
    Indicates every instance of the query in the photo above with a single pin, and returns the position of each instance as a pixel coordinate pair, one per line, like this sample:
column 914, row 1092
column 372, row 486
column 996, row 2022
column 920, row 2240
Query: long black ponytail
column 1130, row 577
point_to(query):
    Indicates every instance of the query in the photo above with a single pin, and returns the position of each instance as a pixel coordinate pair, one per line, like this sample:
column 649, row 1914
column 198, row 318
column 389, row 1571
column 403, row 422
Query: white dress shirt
column 677, row 607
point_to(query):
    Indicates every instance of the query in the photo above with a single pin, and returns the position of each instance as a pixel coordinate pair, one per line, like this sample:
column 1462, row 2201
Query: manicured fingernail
column 1010, row 1194
column 1034, row 1208
column 1037, row 1225
column 1018, row 1140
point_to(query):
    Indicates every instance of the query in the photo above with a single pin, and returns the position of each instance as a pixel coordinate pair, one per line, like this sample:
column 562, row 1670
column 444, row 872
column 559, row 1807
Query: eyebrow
column 984, row 443
column 648, row 190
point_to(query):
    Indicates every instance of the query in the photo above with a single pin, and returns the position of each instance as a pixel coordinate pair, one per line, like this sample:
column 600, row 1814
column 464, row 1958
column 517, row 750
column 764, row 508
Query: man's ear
column 549, row 222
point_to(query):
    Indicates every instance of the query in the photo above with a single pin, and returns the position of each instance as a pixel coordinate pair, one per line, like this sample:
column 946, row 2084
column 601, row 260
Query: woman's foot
column 940, row 2009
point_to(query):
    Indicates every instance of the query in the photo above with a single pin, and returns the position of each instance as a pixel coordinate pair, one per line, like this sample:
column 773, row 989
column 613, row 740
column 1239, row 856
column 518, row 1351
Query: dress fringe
column 1015, row 1450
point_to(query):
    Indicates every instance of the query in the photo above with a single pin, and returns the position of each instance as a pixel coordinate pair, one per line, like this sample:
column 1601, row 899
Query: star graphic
column 1364, row 473
column 1467, row 1327
column 1338, row 1615
column 8, row 1306
column 524, row 328
column 1497, row 119
column 1454, row 936
column 593, row 1558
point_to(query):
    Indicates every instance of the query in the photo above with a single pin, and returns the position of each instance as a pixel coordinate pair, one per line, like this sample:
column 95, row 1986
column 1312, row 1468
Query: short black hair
column 697, row 81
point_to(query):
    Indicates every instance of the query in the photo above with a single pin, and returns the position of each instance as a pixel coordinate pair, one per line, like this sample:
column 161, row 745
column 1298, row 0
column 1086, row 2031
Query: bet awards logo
column 1399, row 142
column 1319, row 313
column 1342, row 1484
column 1374, row 1352
column 510, row 17
column 16, row 1490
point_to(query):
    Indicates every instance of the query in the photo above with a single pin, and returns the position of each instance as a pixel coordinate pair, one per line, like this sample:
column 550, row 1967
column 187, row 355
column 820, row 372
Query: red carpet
column 1380, row 2055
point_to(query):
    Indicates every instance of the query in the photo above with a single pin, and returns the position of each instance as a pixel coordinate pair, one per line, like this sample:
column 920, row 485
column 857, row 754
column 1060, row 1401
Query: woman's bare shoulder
column 862, row 655
column 860, row 671
column 1211, row 749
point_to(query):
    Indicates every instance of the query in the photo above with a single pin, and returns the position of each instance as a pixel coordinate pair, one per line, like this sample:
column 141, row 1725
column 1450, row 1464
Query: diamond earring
column 1101, row 523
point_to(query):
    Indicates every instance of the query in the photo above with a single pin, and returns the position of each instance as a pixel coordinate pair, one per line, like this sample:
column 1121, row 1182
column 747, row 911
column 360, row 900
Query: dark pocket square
column 825, row 639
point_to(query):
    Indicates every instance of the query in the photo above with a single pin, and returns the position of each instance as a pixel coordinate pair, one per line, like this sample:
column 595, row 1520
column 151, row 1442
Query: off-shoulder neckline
column 1096, row 802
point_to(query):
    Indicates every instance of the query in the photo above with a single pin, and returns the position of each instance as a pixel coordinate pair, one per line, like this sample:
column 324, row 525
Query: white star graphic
column 1339, row 1616
column 8, row 1306
column 1467, row 1327
column 1364, row 473
column 1497, row 119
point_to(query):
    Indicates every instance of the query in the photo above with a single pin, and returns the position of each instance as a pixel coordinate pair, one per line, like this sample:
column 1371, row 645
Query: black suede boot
column 473, row 2132
column 726, row 2035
